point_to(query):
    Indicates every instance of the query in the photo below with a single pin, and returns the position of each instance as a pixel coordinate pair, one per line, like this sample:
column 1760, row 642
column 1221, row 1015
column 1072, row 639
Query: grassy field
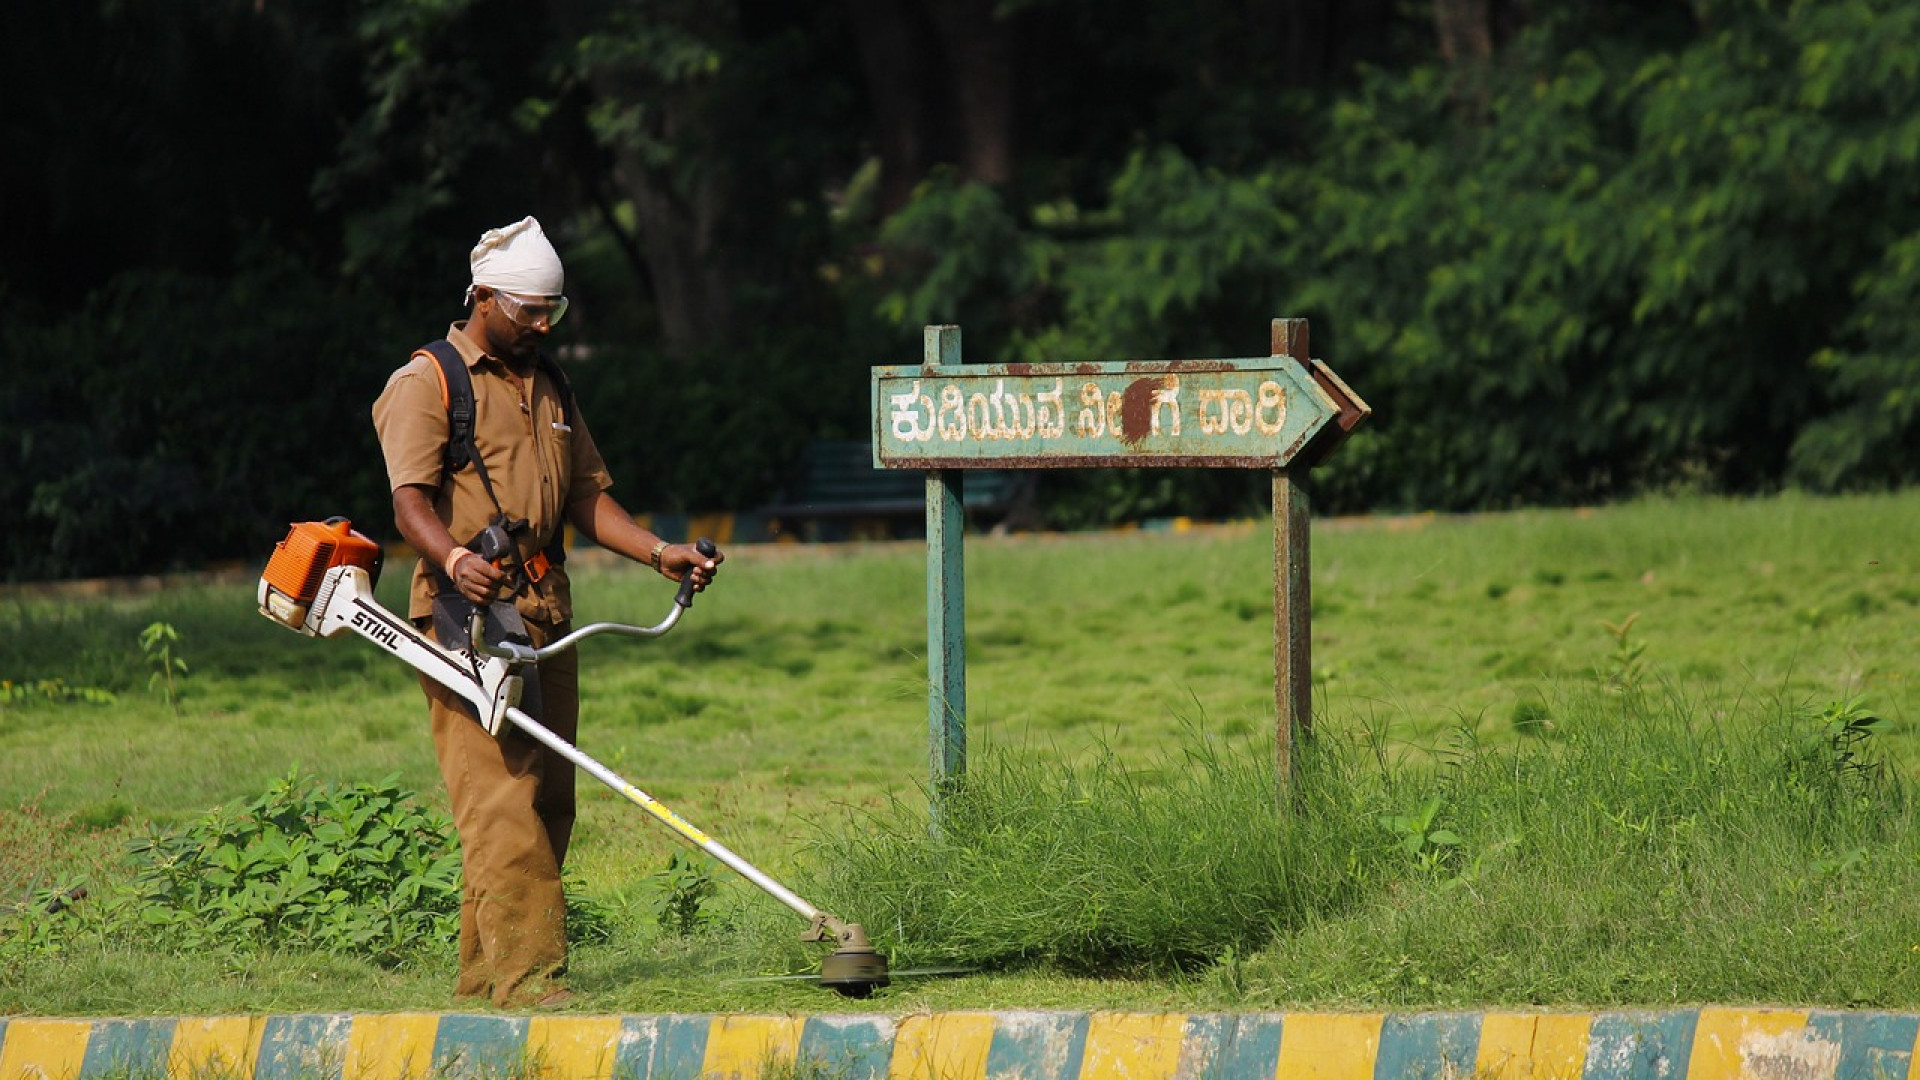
column 1567, row 757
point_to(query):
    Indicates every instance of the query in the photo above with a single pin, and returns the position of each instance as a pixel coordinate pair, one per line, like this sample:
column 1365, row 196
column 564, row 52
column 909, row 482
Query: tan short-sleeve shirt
column 539, row 460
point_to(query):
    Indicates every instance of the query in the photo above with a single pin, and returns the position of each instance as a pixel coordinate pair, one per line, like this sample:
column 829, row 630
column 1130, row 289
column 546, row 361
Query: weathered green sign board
column 1285, row 413
column 1255, row 413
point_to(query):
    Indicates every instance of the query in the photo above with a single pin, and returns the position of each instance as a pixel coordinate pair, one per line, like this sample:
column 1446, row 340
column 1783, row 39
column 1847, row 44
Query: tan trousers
column 513, row 804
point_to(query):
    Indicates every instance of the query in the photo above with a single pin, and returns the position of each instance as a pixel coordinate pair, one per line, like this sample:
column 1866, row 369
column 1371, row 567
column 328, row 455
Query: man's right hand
column 477, row 579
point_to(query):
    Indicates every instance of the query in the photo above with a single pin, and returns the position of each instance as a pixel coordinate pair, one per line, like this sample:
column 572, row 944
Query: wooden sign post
column 1284, row 412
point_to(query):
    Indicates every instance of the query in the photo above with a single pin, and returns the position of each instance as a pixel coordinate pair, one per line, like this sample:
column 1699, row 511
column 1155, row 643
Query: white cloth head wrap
column 518, row 259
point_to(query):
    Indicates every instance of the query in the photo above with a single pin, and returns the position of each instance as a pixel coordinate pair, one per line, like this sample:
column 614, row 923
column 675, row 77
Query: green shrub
column 358, row 869
column 355, row 868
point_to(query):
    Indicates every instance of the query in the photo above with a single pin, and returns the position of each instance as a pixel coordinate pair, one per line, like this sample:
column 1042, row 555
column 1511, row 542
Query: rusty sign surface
column 1247, row 413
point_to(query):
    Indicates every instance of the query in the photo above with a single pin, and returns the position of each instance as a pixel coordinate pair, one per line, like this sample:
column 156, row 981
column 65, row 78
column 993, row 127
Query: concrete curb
column 1689, row 1044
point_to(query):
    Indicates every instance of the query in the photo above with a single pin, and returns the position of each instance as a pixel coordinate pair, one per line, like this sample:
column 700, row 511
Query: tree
column 936, row 69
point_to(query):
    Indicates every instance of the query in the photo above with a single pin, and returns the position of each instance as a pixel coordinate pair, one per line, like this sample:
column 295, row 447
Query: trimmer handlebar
column 525, row 654
column 684, row 598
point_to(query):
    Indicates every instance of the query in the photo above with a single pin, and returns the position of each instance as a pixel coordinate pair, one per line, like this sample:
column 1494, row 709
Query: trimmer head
column 855, row 969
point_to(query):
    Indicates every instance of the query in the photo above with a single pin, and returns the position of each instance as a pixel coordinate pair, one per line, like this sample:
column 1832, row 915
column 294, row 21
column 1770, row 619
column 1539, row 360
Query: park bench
column 837, row 494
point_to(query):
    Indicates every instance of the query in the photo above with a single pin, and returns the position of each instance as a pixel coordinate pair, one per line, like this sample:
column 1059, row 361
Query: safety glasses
column 533, row 312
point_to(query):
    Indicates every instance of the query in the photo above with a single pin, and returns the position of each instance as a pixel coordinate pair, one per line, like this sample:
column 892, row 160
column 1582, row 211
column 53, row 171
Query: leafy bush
column 119, row 461
column 358, row 869
column 355, row 868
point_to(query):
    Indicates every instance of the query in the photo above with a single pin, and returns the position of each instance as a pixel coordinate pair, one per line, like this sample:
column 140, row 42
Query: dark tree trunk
column 940, row 77
column 1464, row 29
column 1305, row 26
column 900, row 62
column 692, row 289
column 678, row 209
column 979, row 53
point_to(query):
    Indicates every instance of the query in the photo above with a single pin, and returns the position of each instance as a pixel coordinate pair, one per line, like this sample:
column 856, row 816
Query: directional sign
column 1271, row 412
column 1248, row 413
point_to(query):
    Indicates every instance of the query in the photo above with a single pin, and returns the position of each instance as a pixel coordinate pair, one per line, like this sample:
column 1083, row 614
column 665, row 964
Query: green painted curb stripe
column 303, row 1047
column 1038, row 1046
column 1225, row 1045
column 633, row 1056
column 480, row 1045
column 1870, row 1045
column 662, row 1046
column 856, row 1047
column 127, row 1047
column 1429, row 1046
column 1640, row 1046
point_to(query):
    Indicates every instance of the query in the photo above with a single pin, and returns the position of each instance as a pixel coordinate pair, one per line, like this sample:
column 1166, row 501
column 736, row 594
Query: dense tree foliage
column 1567, row 251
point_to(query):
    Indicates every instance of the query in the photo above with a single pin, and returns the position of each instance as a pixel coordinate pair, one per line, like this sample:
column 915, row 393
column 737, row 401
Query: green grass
column 1611, row 706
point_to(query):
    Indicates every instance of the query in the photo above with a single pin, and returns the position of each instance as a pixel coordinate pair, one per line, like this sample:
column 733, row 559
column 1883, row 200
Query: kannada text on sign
column 1202, row 413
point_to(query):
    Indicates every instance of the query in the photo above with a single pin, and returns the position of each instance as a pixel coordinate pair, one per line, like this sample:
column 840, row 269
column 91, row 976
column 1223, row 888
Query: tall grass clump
column 1108, row 868
column 1648, row 852
column 1635, row 851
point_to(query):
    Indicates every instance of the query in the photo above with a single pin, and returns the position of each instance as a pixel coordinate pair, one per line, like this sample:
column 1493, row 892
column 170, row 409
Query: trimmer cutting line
column 320, row 583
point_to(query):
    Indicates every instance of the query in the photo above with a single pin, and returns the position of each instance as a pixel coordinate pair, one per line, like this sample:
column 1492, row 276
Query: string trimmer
column 320, row 583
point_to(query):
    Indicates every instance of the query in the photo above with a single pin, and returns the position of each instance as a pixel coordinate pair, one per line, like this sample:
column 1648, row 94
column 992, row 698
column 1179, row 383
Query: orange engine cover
column 311, row 549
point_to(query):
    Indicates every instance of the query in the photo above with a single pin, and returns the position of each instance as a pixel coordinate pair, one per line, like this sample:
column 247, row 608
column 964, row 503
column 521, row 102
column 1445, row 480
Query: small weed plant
column 158, row 642
column 1628, row 661
column 1841, row 742
column 681, row 890
column 1420, row 835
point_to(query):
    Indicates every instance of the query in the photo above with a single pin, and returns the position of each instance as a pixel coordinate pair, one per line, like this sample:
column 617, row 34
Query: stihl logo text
column 379, row 632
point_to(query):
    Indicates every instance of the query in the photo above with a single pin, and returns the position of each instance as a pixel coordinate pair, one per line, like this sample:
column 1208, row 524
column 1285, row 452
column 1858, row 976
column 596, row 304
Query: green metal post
column 946, row 604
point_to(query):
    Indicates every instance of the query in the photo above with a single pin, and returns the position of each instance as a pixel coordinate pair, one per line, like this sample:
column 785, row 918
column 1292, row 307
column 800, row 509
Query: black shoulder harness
column 456, row 385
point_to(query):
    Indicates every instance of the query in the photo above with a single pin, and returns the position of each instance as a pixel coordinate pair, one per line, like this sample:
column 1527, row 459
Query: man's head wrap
column 517, row 259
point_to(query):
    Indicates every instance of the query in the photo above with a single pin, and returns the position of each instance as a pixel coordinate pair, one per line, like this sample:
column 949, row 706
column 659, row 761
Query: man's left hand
column 679, row 560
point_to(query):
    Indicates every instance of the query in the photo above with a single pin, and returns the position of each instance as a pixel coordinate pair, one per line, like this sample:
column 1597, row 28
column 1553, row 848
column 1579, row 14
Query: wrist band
column 654, row 555
column 453, row 560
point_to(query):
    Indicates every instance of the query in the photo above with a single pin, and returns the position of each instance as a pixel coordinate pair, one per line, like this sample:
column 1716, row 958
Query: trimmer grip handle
column 685, row 596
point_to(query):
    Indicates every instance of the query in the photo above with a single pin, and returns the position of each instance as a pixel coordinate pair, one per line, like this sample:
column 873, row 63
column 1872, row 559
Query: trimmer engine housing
column 299, row 565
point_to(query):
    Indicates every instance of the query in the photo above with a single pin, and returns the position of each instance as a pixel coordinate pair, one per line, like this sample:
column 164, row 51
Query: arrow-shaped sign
column 1245, row 413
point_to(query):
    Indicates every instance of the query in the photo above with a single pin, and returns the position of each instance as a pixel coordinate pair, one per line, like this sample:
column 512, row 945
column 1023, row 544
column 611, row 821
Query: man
column 513, row 799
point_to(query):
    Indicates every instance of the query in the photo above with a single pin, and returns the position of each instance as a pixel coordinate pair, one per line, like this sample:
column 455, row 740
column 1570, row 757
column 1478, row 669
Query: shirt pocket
column 555, row 436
